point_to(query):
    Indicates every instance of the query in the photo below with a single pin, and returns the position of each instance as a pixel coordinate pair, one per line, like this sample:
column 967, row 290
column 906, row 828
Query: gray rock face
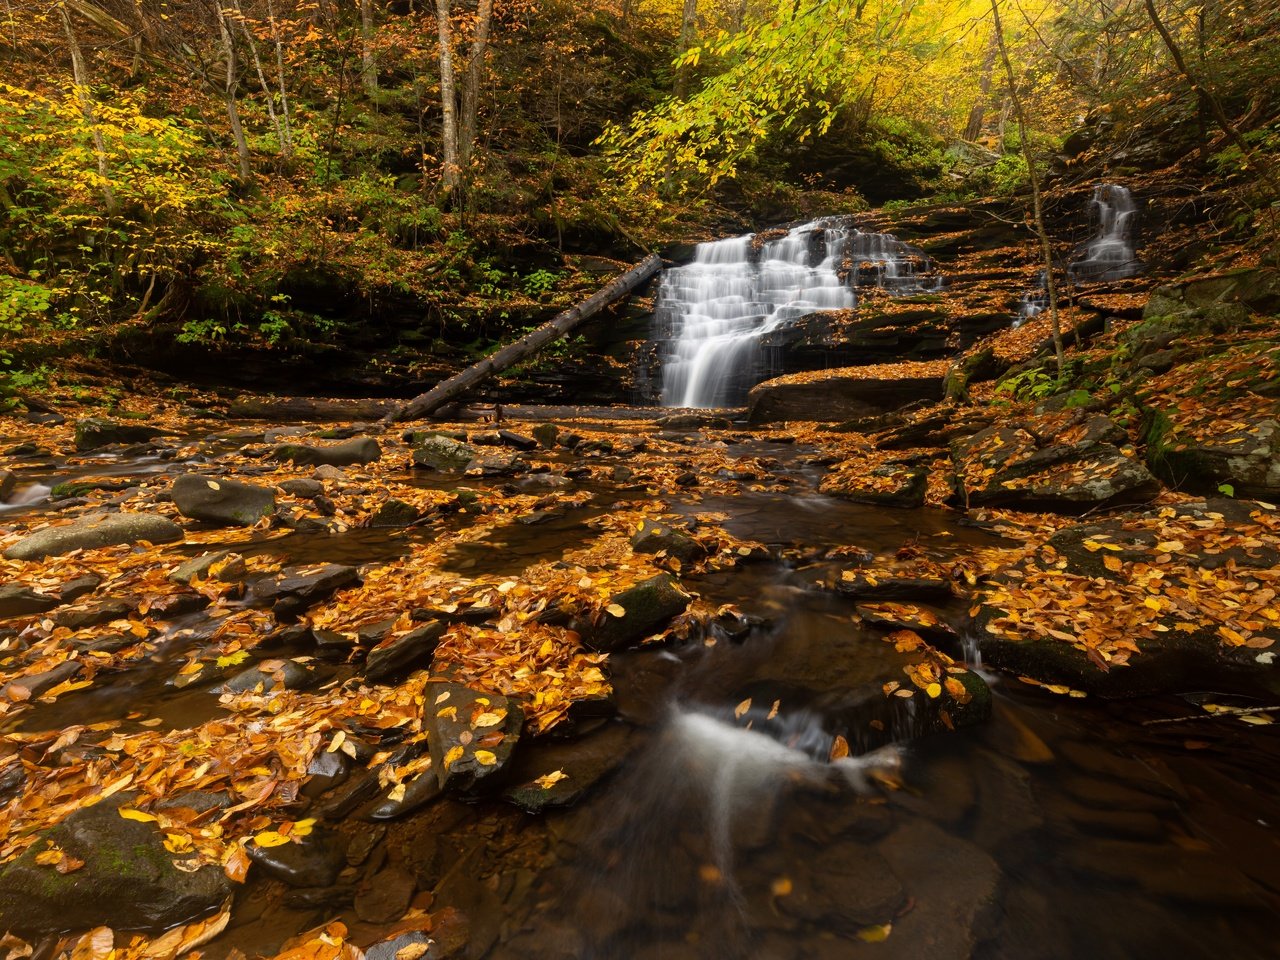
column 837, row 397
column 444, row 454
column 359, row 450
column 1247, row 459
column 93, row 532
column 271, row 675
column 227, row 503
column 472, row 735
column 308, row 584
column 128, row 880
column 646, row 607
column 95, row 432
column 19, row 601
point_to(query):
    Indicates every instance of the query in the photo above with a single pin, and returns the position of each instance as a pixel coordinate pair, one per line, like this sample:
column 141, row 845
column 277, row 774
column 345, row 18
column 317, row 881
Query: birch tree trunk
column 262, row 78
column 230, row 87
column 287, row 150
column 80, row 74
column 451, row 173
column 471, row 84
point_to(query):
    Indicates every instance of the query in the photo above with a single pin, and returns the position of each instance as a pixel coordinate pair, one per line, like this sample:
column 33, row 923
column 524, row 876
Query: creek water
column 1058, row 829
column 1110, row 255
column 714, row 315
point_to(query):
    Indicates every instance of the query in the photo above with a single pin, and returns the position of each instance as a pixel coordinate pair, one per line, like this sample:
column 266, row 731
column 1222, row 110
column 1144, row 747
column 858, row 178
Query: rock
column 1053, row 461
column 844, row 888
column 73, row 590
column 864, row 587
column 647, row 607
column 846, row 393
column 411, row 649
column 395, row 513
column 93, row 532
column 19, row 601
column 95, row 432
column 1246, row 458
column 901, row 485
column 352, row 452
column 385, row 897
column 272, row 675
column 307, row 584
column 417, row 794
column 128, row 880
column 92, row 615
column 303, row 487
column 472, row 735
column 415, row 943
column 327, row 471
column 198, row 568
column 496, row 465
column 655, row 538
column 7, row 482
column 312, row 861
column 693, row 421
column 546, row 434
column 517, row 440
column 443, row 454
column 560, row 773
column 226, row 503
column 33, row 685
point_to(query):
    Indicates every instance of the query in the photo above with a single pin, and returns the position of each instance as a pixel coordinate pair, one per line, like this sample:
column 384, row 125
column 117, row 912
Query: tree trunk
column 287, row 151
column 526, row 346
column 471, row 85
column 368, row 63
column 1046, row 248
column 262, row 77
column 231, row 86
column 973, row 129
column 688, row 31
column 80, row 74
column 451, row 172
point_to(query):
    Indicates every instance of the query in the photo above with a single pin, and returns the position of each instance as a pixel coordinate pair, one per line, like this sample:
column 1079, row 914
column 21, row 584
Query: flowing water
column 1110, row 254
column 715, row 314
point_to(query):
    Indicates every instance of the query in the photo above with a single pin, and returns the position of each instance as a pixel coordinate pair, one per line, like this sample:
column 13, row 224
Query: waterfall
column 1033, row 302
column 717, row 311
column 1110, row 255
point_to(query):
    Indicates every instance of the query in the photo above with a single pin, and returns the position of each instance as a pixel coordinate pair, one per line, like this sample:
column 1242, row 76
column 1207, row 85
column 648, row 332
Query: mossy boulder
column 443, row 454
column 645, row 608
column 95, row 432
column 222, row 502
column 95, row 531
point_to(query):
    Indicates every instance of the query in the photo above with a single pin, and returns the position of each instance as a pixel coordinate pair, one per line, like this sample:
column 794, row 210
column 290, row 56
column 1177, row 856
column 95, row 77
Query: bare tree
column 80, row 74
column 451, row 174
column 459, row 121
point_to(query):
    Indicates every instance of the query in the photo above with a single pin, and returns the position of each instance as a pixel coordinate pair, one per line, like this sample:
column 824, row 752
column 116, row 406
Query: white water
column 719, row 309
column 1033, row 303
column 1110, row 254
column 25, row 497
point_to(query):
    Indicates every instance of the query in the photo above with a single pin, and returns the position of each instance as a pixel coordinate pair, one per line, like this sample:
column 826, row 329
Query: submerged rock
column 308, row 584
column 395, row 513
column 128, row 880
column 409, row 650
column 96, row 531
column 472, row 735
column 19, row 601
column 311, row 861
column 227, row 503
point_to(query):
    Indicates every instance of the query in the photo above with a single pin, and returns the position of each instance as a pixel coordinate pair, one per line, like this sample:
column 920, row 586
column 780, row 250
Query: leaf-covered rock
column 472, row 735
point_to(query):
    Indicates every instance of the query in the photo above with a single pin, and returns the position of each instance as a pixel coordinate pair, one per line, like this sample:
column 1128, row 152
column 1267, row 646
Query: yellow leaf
column 138, row 815
column 616, row 610
column 178, row 843
column 549, row 780
column 491, row 718
column 934, row 690
column 742, row 708
column 453, row 756
column 1112, row 563
column 270, row 838
column 839, row 748
column 875, row 934
column 781, row 887
column 1153, row 603
column 485, row 758
column 303, row 827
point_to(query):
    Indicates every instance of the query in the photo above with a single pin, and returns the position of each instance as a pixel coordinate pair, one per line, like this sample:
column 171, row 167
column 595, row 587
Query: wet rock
column 1246, row 458
column 311, row 861
column 7, row 482
column 353, row 452
column 519, row 441
column 19, row 601
column 1163, row 870
column 93, row 532
column 901, row 485
column 225, row 503
column 395, row 513
column 496, row 465
column 955, row 887
column 868, row 587
column 546, row 434
column 559, row 774
column 385, row 896
column 33, row 685
column 307, row 584
column 73, row 590
column 128, row 880
column 417, row 794
column 199, row 568
column 472, row 735
column 443, row 454
column 693, row 421
column 91, row 615
column 415, row 943
column 272, row 675
column 320, row 898
column 95, row 432
column 647, row 607
column 1056, row 461
column 655, row 538
column 844, row 394
column 303, row 487
column 410, row 650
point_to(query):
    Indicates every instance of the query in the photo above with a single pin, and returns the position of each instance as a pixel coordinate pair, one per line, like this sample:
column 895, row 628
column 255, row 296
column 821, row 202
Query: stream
column 717, row 829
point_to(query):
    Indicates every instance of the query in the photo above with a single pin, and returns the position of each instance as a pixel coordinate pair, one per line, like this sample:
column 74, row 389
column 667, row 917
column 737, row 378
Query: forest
column 771, row 479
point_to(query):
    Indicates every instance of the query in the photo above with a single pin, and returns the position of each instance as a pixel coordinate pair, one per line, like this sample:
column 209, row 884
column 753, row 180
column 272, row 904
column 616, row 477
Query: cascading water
column 1110, row 254
column 1033, row 302
column 716, row 312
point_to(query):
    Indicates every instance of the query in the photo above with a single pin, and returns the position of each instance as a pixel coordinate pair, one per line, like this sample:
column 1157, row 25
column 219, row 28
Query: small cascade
column 1033, row 303
column 715, row 313
column 1110, row 254
column 28, row 496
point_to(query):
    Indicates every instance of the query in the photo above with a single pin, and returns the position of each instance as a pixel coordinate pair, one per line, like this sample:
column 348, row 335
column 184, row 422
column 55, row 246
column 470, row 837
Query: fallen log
column 307, row 409
column 426, row 403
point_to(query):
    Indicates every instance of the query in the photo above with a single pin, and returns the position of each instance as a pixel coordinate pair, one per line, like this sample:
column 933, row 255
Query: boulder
column 846, row 393
column 412, row 649
column 656, row 538
column 472, row 735
column 303, row 487
column 272, row 675
column 94, row 614
column 559, row 773
column 95, row 432
column 884, row 484
column 395, row 513
column 359, row 450
column 443, row 454
column 311, row 861
column 646, row 608
column 1054, row 461
column 496, row 465
column 95, row 531
column 546, row 434
column 226, row 503
column 19, row 601
column 128, row 881
column 1246, row 459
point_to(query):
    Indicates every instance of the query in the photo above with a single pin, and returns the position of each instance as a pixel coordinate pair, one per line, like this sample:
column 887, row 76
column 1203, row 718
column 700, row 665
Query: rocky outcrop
column 95, row 531
column 1053, row 461
column 847, row 393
